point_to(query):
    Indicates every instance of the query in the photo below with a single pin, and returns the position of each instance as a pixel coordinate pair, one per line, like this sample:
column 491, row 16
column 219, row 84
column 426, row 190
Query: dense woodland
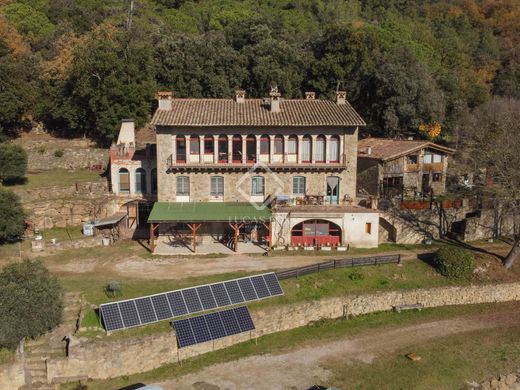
column 79, row 66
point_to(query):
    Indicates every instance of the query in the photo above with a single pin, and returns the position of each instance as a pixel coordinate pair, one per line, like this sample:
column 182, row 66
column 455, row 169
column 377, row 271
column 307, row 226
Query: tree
column 31, row 302
column 12, row 222
column 403, row 94
column 13, row 161
column 507, row 82
column 491, row 136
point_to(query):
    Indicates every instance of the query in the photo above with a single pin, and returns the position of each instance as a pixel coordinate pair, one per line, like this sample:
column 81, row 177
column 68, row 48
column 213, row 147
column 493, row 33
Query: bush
column 31, row 302
column 454, row 263
column 13, row 161
column 58, row 153
column 12, row 221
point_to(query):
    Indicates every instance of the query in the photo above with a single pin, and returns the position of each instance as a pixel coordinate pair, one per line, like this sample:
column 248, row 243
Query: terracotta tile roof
column 388, row 149
column 253, row 112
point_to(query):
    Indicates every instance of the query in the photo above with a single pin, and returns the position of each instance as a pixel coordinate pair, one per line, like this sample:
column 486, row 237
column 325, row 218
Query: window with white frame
column 437, row 158
column 306, row 149
column 334, row 149
column 292, row 145
column 183, row 186
column 320, row 148
column 298, row 185
column 257, row 185
column 278, row 144
column 216, row 186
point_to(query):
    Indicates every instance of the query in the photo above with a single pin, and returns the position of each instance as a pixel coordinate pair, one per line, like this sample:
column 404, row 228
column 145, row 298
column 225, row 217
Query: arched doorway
column 140, row 181
column 124, row 180
column 316, row 232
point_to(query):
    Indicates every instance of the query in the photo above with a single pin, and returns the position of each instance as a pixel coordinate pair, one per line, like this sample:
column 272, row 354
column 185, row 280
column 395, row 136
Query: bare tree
column 491, row 136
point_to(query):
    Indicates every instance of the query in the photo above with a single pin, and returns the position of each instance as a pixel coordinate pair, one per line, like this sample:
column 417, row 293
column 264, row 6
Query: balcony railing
column 273, row 161
column 435, row 167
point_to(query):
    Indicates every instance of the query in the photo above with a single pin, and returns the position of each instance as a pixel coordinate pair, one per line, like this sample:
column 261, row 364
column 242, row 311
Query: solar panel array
column 154, row 308
column 212, row 326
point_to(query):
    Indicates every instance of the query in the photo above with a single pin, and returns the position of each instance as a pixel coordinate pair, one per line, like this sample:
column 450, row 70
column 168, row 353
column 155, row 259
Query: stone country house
column 395, row 167
column 248, row 173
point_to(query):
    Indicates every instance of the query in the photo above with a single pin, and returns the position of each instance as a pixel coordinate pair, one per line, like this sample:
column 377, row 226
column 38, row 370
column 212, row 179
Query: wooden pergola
column 194, row 215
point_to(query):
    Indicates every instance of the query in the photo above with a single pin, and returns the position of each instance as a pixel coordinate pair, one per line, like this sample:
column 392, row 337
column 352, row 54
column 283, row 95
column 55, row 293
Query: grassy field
column 56, row 177
column 459, row 354
column 412, row 274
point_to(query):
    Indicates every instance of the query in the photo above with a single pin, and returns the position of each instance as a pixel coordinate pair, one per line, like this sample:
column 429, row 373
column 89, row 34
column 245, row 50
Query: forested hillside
column 79, row 66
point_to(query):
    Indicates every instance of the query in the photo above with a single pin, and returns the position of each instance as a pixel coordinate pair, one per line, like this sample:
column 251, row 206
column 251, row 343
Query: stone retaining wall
column 105, row 359
column 12, row 375
column 85, row 189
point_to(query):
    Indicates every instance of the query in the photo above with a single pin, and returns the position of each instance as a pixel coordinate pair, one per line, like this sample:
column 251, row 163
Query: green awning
column 208, row 211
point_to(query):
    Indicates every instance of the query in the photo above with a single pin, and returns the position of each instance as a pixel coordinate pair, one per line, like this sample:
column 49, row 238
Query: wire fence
column 338, row 263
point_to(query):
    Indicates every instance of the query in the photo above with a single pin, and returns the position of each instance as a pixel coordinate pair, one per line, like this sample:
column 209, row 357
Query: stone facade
column 111, row 358
column 415, row 177
column 199, row 174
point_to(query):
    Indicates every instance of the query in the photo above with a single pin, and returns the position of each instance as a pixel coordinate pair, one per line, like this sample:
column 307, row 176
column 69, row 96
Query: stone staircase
column 52, row 344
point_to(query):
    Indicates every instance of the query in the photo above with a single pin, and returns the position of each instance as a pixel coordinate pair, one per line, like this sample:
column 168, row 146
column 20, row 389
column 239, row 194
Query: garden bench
column 410, row 306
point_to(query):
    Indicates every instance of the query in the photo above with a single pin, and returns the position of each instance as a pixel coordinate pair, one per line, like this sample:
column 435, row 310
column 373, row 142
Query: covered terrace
column 209, row 227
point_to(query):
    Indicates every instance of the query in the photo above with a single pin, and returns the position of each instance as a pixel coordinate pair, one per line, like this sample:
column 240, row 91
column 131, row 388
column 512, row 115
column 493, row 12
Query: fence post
column 399, row 258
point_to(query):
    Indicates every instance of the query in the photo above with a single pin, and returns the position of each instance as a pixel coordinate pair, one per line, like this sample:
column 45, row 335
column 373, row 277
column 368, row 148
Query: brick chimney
column 341, row 97
column 274, row 100
column 240, row 96
column 310, row 95
column 165, row 100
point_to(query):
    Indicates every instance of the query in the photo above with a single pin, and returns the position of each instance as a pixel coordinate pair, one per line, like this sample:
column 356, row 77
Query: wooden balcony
column 411, row 168
column 434, row 167
column 273, row 163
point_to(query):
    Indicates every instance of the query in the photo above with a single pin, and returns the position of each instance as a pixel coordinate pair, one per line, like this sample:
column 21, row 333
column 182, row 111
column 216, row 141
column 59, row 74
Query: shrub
column 12, row 222
column 13, row 161
column 31, row 302
column 356, row 276
column 58, row 153
column 454, row 263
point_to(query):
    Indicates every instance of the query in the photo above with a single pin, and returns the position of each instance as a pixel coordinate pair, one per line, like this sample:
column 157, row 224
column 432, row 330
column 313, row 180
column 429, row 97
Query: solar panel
column 220, row 294
column 129, row 314
column 162, row 307
column 111, row 316
column 273, row 284
column 145, row 310
column 260, row 287
column 244, row 319
column 212, row 326
column 184, row 333
column 234, row 292
column 248, row 291
column 215, row 325
column 177, row 303
column 192, row 300
column 172, row 304
column 206, row 297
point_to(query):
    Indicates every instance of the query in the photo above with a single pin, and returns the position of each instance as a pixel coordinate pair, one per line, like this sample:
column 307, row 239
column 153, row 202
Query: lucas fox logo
column 255, row 180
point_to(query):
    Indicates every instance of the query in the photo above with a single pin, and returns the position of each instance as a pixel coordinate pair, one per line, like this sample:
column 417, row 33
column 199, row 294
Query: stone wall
column 12, row 375
column 86, row 190
column 111, row 358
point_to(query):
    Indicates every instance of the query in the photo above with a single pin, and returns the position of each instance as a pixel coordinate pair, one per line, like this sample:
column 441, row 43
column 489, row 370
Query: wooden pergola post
column 236, row 227
column 153, row 228
column 194, row 227
column 270, row 230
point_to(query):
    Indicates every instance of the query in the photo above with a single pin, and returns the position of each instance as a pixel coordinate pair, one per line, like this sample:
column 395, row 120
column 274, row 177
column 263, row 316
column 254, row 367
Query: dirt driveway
column 302, row 367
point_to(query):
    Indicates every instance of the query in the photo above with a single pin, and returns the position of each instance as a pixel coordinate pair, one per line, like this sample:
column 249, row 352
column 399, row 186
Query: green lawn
column 57, row 177
column 463, row 347
column 339, row 282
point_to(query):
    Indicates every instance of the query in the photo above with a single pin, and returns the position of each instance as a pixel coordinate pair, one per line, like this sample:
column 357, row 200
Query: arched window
column 265, row 147
column 153, row 175
column 251, row 148
column 236, row 146
column 124, row 180
column 316, row 232
column 334, row 149
column 320, row 149
column 307, row 149
column 194, row 144
column 209, row 144
column 278, row 144
column 223, row 148
column 292, row 145
column 140, row 181
column 180, row 144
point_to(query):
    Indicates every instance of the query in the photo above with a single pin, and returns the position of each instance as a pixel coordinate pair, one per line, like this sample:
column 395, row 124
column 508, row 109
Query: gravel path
column 302, row 367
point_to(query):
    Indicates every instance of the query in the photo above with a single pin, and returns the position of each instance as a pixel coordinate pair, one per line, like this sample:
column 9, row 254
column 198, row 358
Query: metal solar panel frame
column 245, row 301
